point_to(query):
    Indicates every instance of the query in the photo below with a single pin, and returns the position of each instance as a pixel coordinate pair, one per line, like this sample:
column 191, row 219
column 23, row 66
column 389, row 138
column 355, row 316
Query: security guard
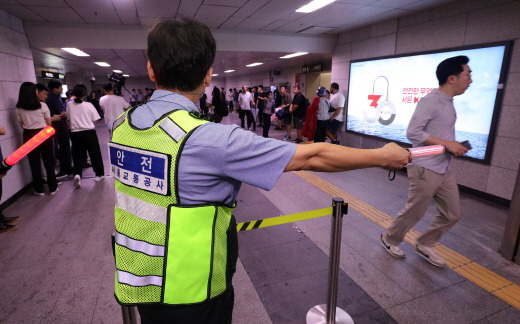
column 177, row 179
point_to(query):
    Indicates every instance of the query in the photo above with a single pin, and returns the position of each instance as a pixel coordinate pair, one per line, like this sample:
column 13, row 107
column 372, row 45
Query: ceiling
column 254, row 18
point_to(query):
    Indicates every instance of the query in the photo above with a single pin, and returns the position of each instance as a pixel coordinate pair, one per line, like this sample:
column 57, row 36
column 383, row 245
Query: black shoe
column 10, row 220
column 7, row 228
column 298, row 141
column 87, row 165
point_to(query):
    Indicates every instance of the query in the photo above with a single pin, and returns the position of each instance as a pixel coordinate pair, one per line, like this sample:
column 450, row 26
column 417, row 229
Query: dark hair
column 334, row 85
column 180, row 51
column 27, row 98
column 297, row 87
column 79, row 91
column 69, row 93
column 449, row 67
column 54, row 84
column 261, row 86
column 107, row 86
column 216, row 97
column 41, row 87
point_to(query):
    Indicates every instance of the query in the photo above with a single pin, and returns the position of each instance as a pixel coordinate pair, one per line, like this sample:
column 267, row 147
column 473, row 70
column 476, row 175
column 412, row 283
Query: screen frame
column 504, row 71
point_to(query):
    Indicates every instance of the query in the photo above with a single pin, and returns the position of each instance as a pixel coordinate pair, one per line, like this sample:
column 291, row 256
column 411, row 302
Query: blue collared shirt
column 217, row 158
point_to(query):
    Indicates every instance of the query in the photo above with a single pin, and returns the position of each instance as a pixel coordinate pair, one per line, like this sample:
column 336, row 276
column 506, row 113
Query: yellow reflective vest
column 165, row 252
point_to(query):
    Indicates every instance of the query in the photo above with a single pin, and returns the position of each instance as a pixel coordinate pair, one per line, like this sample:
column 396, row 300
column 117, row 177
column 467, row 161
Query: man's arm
column 453, row 147
column 333, row 158
column 336, row 113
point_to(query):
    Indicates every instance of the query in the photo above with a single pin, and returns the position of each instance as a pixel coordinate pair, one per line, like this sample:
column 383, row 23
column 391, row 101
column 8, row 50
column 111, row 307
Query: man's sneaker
column 298, row 141
column 36, row 193
column 52, row 193
column 430, row 255
column 77, row 181
column 393, row 250
column 99, row 178
column 62, row 175
column 7, row 227
column 10, row 220
column 286, row 138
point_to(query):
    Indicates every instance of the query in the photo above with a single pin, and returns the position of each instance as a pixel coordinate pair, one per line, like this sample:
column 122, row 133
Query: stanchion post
column 329, row 313
column 129, row 316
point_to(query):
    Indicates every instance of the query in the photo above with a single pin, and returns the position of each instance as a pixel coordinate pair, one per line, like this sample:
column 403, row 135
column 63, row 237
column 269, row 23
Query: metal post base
column 318, row 315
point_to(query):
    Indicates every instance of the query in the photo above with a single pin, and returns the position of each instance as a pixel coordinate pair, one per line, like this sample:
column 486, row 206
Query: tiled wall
column 16, row 66
column 457, row 24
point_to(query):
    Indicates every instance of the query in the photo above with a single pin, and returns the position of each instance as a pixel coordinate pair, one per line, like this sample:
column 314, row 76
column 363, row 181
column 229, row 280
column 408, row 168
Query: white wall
column 16, row 66
column 457, row 24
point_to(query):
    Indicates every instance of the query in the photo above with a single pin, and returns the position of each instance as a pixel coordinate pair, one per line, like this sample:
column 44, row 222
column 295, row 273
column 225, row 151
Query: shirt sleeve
column 227, row 151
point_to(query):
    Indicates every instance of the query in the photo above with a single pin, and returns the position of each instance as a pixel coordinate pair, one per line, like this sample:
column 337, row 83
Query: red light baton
column 426, row 150
column 420, row 151
column 27, row 147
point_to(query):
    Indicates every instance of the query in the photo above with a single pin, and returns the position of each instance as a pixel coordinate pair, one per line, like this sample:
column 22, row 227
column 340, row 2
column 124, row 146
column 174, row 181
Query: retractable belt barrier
column 284, row 219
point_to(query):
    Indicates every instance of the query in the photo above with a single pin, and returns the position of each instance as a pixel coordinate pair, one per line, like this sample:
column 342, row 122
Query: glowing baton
column 426, row 150
column 420, row 151
column 27, row 147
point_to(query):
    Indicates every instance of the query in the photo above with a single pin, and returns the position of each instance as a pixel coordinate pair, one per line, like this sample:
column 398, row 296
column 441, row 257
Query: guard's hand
column 394, row 156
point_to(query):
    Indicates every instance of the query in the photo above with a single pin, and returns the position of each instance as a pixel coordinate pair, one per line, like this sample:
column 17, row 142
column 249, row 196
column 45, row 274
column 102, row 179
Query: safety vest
column 165, row 252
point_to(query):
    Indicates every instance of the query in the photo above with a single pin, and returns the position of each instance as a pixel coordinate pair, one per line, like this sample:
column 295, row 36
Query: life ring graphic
column 384, row 111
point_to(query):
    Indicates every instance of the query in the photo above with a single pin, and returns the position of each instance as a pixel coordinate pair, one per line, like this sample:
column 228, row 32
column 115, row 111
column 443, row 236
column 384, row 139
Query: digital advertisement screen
column 383, row 94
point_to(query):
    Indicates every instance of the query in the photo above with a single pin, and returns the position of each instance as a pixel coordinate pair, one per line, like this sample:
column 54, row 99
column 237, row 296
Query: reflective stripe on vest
column 172, row 129
column 136, row 281
column 139, row 246
column 141, row 208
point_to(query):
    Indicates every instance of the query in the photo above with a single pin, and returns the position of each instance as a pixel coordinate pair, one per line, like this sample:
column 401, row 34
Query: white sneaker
column 77, row 181
column 36, row 193
column 430, row 255
column 52, row 193
column 99, row 178
column 393, row 250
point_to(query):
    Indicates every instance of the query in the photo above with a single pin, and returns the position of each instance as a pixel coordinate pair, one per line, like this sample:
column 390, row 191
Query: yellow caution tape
column 283, row 219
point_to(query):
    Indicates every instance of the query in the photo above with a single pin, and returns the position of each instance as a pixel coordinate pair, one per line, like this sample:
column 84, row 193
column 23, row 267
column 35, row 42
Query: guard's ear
column 151, row 74
column 207, row 78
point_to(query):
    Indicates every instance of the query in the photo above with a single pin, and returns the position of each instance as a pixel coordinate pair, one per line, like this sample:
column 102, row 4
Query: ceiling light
column 102, row 63
column 117, row 71
column 254, row 64
column 229, row 71
column 314, row 5
column 215, row 74
column 293, row 55
column 74, row 51
column 126, row 75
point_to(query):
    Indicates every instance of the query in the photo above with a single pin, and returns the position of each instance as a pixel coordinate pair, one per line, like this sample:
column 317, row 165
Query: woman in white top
column 81, row 116
column 33, row 116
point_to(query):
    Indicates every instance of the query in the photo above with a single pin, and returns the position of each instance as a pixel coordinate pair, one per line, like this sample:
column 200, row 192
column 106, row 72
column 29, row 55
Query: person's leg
column 421, row 190
column 34, row 161
column 448, row 206
column 65, row 156
column 79, row 152
column 94, row 151
column 321, row 130
column 266, row 124
column 241, row 114
column 48, row 162
column 250, row 120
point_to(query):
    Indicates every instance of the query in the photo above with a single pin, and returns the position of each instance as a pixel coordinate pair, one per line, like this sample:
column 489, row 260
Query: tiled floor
column 58, row 267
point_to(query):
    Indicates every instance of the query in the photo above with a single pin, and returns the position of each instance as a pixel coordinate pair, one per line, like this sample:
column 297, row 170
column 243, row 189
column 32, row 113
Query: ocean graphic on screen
column 383, row 95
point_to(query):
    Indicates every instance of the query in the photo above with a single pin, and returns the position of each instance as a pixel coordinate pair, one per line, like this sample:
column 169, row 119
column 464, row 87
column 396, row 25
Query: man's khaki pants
column 424, row 185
